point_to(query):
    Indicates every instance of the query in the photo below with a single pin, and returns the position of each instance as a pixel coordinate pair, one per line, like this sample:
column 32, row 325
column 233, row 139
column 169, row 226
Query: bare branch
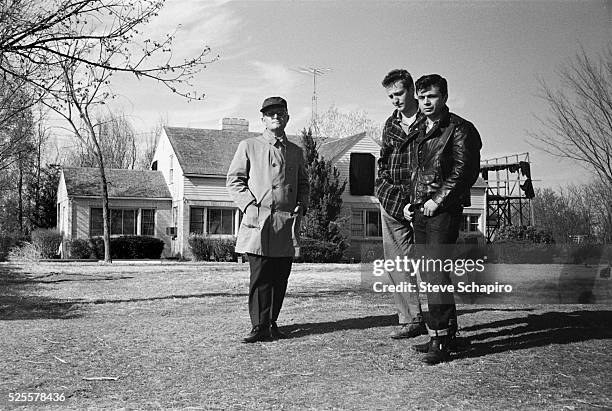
column 579, row 124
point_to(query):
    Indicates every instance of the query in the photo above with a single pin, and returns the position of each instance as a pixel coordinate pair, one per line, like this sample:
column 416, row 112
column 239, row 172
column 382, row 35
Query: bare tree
column 14, row 109
column 579, row 126
column 575, row 210
column 337, row 124
column 148, row 144
column 601, row 194
column 36, row 36
column 117, row 140
column 68, row 50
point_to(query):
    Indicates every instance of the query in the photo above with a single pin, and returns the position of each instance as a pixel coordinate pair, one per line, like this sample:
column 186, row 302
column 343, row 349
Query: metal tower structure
column 314, row 72
column 509, row 192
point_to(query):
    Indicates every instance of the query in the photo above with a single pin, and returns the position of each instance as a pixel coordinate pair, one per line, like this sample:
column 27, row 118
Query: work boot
column 438, row 351
column 456, row 343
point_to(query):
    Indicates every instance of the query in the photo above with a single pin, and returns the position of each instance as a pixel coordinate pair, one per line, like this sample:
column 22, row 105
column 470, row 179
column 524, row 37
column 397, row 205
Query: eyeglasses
column 273, row 112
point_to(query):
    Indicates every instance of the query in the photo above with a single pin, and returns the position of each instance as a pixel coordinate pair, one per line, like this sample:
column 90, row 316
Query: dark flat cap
column 273, row 102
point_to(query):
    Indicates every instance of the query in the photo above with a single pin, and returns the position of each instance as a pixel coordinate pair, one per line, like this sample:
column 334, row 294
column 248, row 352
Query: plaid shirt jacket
column 393, row 185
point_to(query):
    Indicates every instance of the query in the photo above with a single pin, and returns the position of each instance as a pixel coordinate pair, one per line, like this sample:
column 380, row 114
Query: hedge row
column 206, row 248
column 124, row 247
column 212, row 249
column 317, row 251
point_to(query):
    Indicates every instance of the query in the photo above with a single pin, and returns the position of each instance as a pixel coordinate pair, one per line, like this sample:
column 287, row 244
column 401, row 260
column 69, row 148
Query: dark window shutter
column 361, row 174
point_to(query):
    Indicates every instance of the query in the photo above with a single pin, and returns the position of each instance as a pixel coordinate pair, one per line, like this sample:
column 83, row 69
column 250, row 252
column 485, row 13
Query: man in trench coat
column 268, row 182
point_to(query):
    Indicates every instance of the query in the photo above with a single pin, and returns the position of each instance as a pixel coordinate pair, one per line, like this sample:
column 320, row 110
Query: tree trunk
column 105, row 215
column 20, row 196
column 104, row 186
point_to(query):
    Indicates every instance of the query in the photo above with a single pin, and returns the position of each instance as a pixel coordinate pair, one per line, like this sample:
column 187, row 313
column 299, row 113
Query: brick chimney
column 234, row 124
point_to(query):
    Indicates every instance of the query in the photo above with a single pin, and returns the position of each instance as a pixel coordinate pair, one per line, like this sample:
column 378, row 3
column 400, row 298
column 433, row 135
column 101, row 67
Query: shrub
column 134, row 246
column 128, row 247
column 223, row 250
column 47, row 241
column 524, row 234
column 24, row 251
column 80, row 249
column 200, row 246
column 8, row 241
column 317, row 251
column 97, row 247
column 206, row 248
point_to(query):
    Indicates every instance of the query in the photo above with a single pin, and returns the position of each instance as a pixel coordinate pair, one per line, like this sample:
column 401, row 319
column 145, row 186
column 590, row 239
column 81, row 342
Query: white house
column 187, row 190
column 139, row 201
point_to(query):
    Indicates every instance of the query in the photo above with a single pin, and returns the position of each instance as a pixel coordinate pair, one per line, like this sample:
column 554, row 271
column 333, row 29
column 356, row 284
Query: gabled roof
column 203, row 151
column 332, row 150
column 480, row 182
column 85, row 182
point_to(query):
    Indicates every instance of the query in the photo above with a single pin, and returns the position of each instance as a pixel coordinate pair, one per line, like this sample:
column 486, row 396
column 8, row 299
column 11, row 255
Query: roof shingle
column 333, row 149
column 206, row 151
column 85, row 182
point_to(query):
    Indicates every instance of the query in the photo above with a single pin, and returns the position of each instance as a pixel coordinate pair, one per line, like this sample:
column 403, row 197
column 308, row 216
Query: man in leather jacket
column 445, row 165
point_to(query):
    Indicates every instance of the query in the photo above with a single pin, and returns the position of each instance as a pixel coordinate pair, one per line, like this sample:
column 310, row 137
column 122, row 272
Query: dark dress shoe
column 258, row 334
column 438, row 351
column 410, row 330
column 276, row 333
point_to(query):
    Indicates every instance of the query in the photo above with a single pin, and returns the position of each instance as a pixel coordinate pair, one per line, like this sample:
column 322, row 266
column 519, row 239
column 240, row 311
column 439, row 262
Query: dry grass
column 168, row 336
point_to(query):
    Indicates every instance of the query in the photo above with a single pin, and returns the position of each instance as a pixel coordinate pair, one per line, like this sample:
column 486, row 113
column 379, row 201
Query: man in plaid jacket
column 393, row 189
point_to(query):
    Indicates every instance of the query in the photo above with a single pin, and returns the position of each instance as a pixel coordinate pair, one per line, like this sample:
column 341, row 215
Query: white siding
column 365, row 145
column 163, row 154
column 62, row 193
column 206, row 188
column 81, row 208
column 62, row 209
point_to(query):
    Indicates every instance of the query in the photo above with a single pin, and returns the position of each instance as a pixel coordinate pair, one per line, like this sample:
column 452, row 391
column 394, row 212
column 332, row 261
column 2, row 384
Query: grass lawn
column 158, row 336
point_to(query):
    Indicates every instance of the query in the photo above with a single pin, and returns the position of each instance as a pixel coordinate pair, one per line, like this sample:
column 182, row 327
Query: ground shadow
column 538, row 330
column 20, row 299
column 362, row 323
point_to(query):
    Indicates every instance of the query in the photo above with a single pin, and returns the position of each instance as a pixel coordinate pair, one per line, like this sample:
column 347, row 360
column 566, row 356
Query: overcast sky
column 492, row 54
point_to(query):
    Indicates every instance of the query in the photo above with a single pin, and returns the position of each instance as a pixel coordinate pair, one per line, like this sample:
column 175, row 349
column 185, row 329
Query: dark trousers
column 435, row 238
column 269, row 276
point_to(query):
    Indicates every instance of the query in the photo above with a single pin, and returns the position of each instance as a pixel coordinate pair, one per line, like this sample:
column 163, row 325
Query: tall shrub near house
column 47, row 242
column 323, row 240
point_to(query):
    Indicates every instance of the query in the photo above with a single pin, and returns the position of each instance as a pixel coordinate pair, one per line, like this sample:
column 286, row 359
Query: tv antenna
column 314, row 72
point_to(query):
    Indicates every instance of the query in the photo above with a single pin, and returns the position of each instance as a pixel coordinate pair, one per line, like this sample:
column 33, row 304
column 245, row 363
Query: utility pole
column 314, row 72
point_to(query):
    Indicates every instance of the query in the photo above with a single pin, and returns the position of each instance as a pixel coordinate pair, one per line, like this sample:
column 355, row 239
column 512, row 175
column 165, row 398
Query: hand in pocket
column 251, row 215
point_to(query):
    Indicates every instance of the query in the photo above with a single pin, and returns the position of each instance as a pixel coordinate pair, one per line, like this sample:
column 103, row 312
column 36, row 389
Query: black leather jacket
column 447, row 162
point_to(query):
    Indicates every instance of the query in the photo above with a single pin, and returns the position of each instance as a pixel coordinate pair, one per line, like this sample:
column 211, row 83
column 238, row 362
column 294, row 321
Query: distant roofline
column 122, row 198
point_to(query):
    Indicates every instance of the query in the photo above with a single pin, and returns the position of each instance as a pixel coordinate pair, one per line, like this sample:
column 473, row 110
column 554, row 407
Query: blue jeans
column 435, row 237
column 398, row 241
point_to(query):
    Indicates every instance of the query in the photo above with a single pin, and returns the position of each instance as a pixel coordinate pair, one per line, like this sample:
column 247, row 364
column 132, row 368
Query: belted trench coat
column 267, row 180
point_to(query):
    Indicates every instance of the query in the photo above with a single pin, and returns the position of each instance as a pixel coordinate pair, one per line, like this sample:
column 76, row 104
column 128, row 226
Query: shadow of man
column 537, row 330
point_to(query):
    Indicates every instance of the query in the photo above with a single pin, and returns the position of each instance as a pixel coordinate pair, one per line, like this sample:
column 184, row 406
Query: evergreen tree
column 320, row 222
